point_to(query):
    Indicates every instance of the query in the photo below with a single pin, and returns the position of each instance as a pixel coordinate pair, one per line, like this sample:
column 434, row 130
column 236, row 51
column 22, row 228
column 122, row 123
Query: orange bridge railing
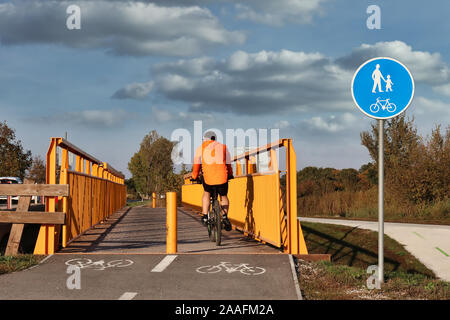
column 96, row 190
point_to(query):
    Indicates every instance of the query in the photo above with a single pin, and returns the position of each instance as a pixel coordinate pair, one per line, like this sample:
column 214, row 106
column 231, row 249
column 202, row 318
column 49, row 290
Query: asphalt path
column 124, row 258
column 155, row 277
column 428, row 243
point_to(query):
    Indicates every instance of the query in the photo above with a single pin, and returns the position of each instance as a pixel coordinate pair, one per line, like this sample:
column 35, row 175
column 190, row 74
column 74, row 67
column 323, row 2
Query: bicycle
column 387, row 105
column 214, row 222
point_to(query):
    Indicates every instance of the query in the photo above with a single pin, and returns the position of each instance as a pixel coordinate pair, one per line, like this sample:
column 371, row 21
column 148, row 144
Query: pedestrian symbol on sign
column 377, row 75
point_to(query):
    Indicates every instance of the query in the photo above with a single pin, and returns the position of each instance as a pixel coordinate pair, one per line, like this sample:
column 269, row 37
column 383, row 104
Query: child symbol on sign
column 389, row 84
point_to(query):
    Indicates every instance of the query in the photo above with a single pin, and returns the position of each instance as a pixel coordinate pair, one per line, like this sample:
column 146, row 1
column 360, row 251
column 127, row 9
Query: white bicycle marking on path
column 84, row 263
column 244, row 268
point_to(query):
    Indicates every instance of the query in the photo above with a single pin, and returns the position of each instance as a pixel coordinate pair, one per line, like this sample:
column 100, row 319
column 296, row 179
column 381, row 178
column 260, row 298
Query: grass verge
column 352, row 251
column 10, row 264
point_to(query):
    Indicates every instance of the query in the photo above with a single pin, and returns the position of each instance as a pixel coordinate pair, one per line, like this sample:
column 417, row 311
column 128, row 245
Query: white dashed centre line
column 128, row 296
column 164, row 263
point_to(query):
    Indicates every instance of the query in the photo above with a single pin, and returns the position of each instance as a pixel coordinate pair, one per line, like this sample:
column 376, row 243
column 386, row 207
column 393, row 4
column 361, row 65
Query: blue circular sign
column 382, row 88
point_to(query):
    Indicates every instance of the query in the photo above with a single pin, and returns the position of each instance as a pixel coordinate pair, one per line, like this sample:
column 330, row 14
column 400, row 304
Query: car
column 6, row 227
column 10, row 180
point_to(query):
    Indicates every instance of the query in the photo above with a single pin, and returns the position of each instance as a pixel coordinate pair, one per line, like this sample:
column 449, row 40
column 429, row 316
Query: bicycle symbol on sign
column 83, row 263
column 230, row 268
column 384, row 104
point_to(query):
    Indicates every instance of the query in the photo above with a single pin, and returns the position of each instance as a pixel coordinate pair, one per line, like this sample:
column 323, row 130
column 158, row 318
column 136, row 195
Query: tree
column 434, row 175
column 368, row 175
column 131, row 188
column 348, row 179
column 152, row 166
column 14, row 161
column 37, row 171
column 415, row 170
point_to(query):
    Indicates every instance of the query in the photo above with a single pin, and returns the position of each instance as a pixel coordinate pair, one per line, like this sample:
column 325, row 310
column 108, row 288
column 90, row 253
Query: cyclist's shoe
column 204, row 219
column 226, row 223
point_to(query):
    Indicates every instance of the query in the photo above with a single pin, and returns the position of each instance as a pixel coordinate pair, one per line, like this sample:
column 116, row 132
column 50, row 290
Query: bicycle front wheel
column 210, row 223
column 391, row 107
column 119, row 263
column 253, row 271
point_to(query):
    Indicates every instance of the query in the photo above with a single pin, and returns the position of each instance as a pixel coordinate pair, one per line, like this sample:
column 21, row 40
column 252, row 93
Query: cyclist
column 214, row 159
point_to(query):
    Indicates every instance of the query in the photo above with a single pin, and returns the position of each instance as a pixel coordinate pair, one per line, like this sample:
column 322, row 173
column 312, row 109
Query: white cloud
column 271, row 12
column 181, row 117
column 331, row 124
column 281, row 81
column 277, row 13
column 122, row 28
column 430, row 107
column 238, row 61
column 91, row 118
column 137, row 91
column 257, row 83
column 104, row 118
column 425, row 67
column 162, row 115
column 282, row 124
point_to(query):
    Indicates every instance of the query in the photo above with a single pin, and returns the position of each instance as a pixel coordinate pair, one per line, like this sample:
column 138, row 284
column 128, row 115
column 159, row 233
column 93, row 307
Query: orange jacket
column 214, row 159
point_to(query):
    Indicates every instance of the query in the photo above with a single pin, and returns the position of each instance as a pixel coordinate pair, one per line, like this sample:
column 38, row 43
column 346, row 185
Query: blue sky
column 233, row 64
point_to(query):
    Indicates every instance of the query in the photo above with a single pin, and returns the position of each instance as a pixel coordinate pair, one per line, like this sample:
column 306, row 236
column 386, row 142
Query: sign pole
column 381, row 201
column 382, row 100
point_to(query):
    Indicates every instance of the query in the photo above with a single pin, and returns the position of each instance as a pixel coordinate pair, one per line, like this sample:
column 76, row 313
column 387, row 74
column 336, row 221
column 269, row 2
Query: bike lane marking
column 442, row 251
column 228, row 267
column 98, row 265
column 419, row 235
column 160, row 267
column 128, row 296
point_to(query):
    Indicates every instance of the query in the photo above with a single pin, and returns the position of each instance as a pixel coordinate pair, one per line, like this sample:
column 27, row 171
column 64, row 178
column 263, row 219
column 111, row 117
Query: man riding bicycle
column 214, row 160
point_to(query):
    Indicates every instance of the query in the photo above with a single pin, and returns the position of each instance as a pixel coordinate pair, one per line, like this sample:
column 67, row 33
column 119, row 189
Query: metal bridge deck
column 143, row 230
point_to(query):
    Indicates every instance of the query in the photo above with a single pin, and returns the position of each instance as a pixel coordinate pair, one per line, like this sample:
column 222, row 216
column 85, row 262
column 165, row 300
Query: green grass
column 352, row 246
column 10, row 264
column 352, row 250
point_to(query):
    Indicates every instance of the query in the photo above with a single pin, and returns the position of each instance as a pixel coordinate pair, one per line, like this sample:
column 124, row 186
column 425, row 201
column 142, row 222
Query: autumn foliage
column 417, row 177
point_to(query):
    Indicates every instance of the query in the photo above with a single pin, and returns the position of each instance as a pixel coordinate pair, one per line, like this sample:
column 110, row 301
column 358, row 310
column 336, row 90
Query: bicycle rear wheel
column 218, row 223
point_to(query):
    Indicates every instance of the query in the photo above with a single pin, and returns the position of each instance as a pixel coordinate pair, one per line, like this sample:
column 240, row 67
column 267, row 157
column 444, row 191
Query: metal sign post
column 380, row 200
column 382, row 88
